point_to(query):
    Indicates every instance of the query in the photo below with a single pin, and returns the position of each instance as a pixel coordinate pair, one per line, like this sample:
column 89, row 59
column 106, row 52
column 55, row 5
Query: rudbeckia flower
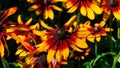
column 112, row 6
column 3, row 27
column 86, row 7
column 97, row 31
column 28, row 60
column 60, row 40
column 22, row 28
column 45, row 7
column 79, row 56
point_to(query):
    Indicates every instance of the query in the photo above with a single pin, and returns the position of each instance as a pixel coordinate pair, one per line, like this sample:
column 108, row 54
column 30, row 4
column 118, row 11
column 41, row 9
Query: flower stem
column 96, row 49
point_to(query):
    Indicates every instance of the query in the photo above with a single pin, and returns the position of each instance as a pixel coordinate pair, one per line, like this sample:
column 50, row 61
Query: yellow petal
column 46, row 13
column 81, row 44
column 29, row 21
column 98, row 39
column 102, row 23
column 31, row 1
column 83, row 10
column 20, row 20
column 70, row 21
column 42, row 47
column 1, row 49
column 108, row 29
column 38, row 12
column 90, row 13
column 91, row 38
column 23, row 54
column 18, row 51
column 116, row 14
column 65, row 53
column 56, row 8
column 46, row 26
column 36, row 26
column 68, row 4
column 76, row 48
column 10, row 30
column 95, row 8
column 58, row 56
column 33, row 7
column 73, row 8
column 50, row 13
column 50, row 55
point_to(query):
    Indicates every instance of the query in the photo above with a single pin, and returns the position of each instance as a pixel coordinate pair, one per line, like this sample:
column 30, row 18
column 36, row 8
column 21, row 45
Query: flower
column 112, row 6
column 21, row 28
column 86, row 7
column 60, row 40
column 97, row 31
column 23, row 33
column 81, row 55
column 44, row 6
column 28, row 60
column 3, row 27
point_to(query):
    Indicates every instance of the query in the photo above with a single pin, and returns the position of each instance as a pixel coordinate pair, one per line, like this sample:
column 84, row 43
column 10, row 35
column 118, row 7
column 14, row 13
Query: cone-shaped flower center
column 112, row 3
column 61, row 34
column 44, row 2
column 96, row 30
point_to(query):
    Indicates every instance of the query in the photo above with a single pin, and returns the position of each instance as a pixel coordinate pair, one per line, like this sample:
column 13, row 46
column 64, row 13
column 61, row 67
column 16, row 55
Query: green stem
column 93, row 62
column 4, row 62
column 96, row 49
column 110, row 25
column 115, row 60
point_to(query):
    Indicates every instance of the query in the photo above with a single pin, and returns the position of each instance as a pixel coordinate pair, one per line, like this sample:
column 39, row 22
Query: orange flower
column 112, row 6
column 3, row 27
column 44, row 6
column 86, row 7
column 21, row 28
column 60, row 40
column 97, row 31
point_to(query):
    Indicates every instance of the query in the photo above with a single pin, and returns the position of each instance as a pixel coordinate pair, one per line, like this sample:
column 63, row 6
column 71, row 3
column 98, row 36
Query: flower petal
column 1, row 49
column 56, row 8
column 50, row 55
column 46, row 26
column 29, row 21
column 83, row 10
column 95, row 8
column 7, row 13
column 90, row 13
column 20, row 20
column 70, row 21
column 116, row 14
column 33, row 7
column 50, row 13
column 73, row 8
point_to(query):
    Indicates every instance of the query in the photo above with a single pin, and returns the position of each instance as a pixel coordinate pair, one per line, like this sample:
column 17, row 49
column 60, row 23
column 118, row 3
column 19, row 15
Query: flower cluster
column 41, row 45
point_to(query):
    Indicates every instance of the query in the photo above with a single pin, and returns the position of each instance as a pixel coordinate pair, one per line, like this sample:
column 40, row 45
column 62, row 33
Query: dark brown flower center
column 112, row 3
column 43, row 2
column 61, row 34
column 96, row 30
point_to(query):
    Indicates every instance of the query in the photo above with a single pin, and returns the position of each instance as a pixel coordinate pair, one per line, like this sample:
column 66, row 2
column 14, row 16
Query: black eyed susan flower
column 95, row 33
column 81, row 55
column 3, row 27
column 22, row 28
column 60, row 40
column 86, row 7
column 112, row 6
column 44, row 6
